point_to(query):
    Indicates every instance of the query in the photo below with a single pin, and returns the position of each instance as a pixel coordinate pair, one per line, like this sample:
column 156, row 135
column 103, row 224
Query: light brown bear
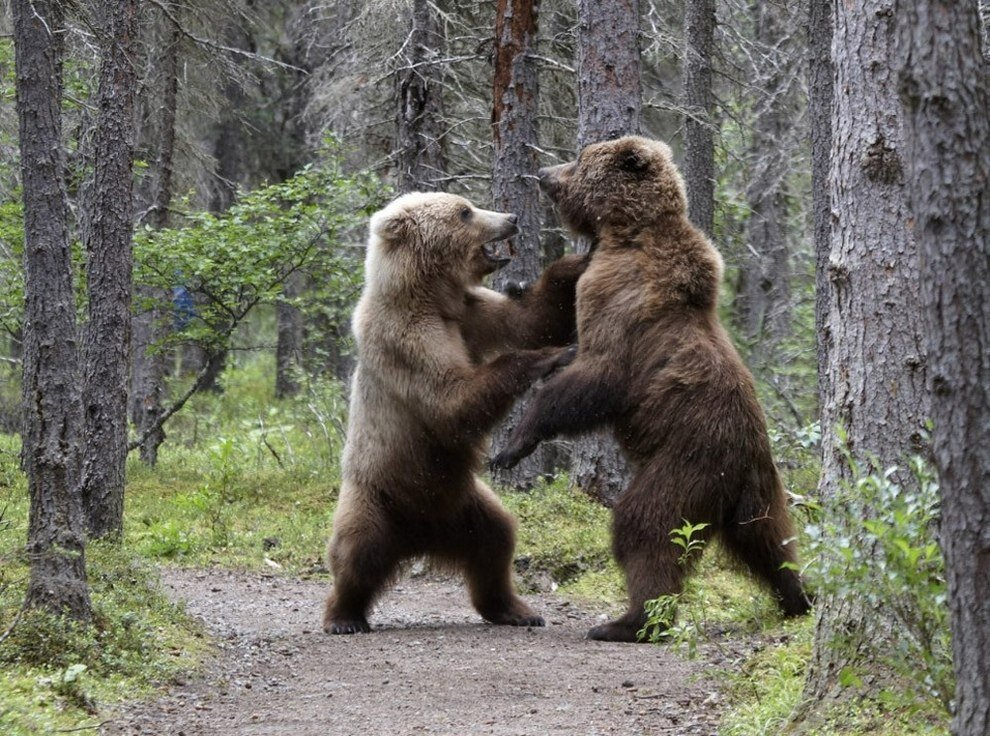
column 440, row 361
column 655, row 364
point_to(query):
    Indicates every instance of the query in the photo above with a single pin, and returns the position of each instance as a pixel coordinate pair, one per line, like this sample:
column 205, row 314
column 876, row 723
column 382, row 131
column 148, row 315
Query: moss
column 57, row 673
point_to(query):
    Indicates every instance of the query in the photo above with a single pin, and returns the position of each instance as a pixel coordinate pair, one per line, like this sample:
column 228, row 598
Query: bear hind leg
column 765, row 543
column 362, row 569
column 649, row 560
column 483, row 546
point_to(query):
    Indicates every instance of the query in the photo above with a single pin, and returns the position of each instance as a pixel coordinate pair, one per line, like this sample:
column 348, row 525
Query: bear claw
column 353, row 626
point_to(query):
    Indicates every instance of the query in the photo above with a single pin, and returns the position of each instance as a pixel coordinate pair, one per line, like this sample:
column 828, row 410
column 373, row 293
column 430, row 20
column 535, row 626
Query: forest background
column 214, row 166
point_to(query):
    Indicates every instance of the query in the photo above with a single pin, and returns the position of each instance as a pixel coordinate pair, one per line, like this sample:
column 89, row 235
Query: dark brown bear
column 440, row 361
column 655, row 364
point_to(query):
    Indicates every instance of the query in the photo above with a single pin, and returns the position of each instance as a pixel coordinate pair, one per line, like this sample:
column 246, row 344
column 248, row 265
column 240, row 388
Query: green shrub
column 883, row 552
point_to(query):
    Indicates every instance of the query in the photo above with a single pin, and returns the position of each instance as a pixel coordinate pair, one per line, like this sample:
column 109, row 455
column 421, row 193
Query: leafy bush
column 884, row 552
column 237, row 260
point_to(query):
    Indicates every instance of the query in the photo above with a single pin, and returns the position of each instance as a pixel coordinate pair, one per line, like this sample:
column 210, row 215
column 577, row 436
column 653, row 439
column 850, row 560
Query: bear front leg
column 578, row 399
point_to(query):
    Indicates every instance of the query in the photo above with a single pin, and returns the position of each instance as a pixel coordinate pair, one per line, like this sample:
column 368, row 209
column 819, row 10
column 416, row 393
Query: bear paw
column 515, row 618
column 614, row 631
column 347, row 626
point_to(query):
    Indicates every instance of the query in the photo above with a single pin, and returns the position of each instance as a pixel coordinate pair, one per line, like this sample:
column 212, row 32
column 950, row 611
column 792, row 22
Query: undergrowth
column 249, row 482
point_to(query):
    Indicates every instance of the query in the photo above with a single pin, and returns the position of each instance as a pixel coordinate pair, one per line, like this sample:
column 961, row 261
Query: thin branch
column 10, row 629
column 219, row 46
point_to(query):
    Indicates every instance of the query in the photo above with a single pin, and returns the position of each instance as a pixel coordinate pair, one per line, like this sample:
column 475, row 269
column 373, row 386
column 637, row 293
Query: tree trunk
column 149, row 365
column 944, row 87
column 288, row 348
column 108, row 269
column 876, row 372
column 514, row 185
column 762, row 301
column 419, row 124
column 699, row 127
column 820, row 73
column 52, row 410
column 609, row 100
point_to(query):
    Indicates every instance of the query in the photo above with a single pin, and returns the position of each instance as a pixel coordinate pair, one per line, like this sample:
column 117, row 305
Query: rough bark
column 820, row 72
column 515, row 189
column 108, row 271
column 609, row 103
column 699, row 127
column 52, row 410
column 419, row 124
column 609, row 70
column 762, row 301
column 944, row 88
column 149, row 365
column 876, row 369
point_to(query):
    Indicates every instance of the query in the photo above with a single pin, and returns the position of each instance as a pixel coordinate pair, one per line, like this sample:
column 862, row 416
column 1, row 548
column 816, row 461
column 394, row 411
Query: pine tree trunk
column 876, row 369
column 944, row 84
column 762, row 301
column 699, row 127
column 50, row 451
column 149, row 365
column 514, row 186
column 419, row 125
column 108, row 270
column 609, row 102
column 820, row 73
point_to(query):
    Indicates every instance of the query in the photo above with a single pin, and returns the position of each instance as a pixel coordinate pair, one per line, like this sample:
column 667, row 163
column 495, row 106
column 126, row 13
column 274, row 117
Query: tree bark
column 419, row 124
column 820, row 73
column 699, row 127
column 515, row 188
column 944, row 88
column 876, row 369
column 762, row 301
column 289, row 344
column 109, row 267
column 52, row 410
column 609, row 103
column 149, row 364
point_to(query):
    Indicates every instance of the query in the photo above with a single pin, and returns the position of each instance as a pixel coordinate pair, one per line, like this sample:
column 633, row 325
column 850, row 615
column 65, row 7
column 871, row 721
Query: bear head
column 424, row 236
column 624, row 183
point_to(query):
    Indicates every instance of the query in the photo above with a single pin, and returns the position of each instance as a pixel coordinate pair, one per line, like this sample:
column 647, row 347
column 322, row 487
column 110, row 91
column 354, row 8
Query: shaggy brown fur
column 655, row 364
column 439, row 363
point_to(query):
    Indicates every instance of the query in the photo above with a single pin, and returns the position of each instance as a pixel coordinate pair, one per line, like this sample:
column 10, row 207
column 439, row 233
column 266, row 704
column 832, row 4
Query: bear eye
column 465, row 214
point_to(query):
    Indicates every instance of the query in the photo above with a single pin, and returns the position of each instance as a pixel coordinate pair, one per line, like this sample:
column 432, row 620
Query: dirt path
column 431, row 666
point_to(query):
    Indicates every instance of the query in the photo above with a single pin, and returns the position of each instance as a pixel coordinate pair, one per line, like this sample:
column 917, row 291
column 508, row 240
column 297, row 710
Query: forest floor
column 430, row 666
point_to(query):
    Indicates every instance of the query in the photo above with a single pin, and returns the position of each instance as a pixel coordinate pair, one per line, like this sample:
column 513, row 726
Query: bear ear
column 393, row 227
column 633, row 160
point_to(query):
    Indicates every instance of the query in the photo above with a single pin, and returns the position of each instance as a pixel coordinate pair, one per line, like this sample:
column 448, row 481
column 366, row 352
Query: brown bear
column 440, row 360
column 656, row 365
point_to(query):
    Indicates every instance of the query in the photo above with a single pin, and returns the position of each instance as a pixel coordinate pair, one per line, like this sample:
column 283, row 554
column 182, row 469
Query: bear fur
column 440, row 360
column 656, row 365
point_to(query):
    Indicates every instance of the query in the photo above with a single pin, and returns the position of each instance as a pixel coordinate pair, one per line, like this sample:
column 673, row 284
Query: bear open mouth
column 498, row 252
